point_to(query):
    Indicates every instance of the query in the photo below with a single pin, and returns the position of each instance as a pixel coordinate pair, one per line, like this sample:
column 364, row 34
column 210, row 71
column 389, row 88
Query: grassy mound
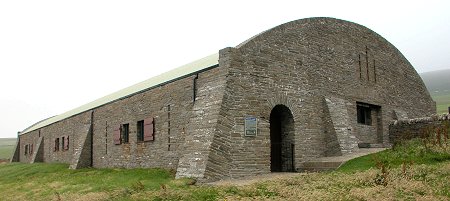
column 415, row 151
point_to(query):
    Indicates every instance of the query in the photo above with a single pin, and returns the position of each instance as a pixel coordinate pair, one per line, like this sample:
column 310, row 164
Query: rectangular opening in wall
column 364, row 113
column 56, row 144
column 63, row 143
column 125, row 133
column 194, row 88
column 140, row 131
column 360, row 69
column 67, row 143
column 26, row 149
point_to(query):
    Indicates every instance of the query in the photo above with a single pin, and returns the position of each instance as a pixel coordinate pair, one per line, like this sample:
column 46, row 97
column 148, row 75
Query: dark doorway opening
column 282, row 140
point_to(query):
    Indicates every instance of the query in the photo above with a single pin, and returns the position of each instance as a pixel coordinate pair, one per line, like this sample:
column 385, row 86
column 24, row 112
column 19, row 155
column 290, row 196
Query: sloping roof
column 187, row 69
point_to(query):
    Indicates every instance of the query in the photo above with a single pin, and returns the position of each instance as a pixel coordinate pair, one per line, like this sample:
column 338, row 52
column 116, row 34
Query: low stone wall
column 406, row 129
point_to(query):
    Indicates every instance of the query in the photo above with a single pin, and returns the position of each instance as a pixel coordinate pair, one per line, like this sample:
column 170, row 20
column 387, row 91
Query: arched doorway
column 282, row 132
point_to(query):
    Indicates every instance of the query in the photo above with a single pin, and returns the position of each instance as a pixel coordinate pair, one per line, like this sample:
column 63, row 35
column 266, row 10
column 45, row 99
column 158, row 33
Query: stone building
column 306, row 89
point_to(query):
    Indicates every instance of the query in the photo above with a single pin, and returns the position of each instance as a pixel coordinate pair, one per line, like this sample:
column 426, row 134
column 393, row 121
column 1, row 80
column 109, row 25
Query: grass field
column 6, row 147
column 442, row 102
column 409, row 172
column 438, row 84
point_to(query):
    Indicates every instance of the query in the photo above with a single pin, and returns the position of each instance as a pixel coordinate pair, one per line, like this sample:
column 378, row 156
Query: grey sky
column 58, row 55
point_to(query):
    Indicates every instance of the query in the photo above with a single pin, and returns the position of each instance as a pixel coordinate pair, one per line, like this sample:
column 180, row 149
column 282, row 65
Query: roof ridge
column 139, row 87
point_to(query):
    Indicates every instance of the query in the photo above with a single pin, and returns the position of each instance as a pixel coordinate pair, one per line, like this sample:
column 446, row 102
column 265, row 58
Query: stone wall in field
column 406, row 129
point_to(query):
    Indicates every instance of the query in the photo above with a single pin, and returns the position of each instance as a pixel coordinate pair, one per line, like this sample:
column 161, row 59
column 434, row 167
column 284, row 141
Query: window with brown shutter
column 56, row 144
column 67, row 143
column 63, row 145
column 116, row 135
column 148, row 129
column 31, row 148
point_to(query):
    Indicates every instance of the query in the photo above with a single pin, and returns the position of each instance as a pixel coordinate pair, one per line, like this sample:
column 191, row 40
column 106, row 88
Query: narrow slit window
column 360, row 69
column 67, row 143
column 367, row 64
column 194, row 88
column 374, row 72
column 168, row 123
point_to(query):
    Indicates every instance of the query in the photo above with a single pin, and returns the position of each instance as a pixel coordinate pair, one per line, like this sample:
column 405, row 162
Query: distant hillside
column 438, row 84
column 7, row 147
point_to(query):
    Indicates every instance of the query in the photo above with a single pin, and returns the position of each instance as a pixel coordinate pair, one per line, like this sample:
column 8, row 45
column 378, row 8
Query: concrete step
column 370, row 145
column 318, row 166
column 334, row 162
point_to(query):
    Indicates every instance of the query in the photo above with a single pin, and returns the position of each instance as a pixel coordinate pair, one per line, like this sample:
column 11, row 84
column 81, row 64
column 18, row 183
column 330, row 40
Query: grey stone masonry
column 82, row 155
column 406, row 129
column 38, row 155
column 16, row 154
column 200, row 136
column 342, row 124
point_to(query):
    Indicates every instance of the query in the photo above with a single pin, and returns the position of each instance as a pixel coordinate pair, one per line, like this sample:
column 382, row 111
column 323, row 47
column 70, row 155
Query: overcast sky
column 58, row 55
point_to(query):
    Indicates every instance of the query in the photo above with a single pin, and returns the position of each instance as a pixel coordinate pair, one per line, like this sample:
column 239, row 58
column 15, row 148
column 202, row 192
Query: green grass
column 359, row 179
column 6, row 152
column 442, row 102
column 410, row 152
column 7, row 147
column 40, row 181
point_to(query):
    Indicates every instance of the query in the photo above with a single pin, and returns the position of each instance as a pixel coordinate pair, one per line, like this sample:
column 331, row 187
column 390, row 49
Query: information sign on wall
column 251, row 126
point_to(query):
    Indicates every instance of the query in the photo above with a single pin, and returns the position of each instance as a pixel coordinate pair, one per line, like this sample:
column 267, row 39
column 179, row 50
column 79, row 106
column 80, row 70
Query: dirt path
column 255, row 179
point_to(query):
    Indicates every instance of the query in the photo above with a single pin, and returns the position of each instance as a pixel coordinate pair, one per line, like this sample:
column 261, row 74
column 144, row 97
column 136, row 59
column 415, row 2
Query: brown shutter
column 116, row 135
column 148, row 129
column 31, row 149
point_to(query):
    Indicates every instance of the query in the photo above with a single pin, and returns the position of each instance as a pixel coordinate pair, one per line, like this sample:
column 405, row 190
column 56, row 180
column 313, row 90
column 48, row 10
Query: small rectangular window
column 140, row 131
column 67, row 143
column 31, row 148
column 125, row 133
column 63, row 145
column 364, row 114
column 56, row 144
column 26, row 149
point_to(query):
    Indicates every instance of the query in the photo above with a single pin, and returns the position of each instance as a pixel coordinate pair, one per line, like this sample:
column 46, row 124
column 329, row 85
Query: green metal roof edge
column 199, row 65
